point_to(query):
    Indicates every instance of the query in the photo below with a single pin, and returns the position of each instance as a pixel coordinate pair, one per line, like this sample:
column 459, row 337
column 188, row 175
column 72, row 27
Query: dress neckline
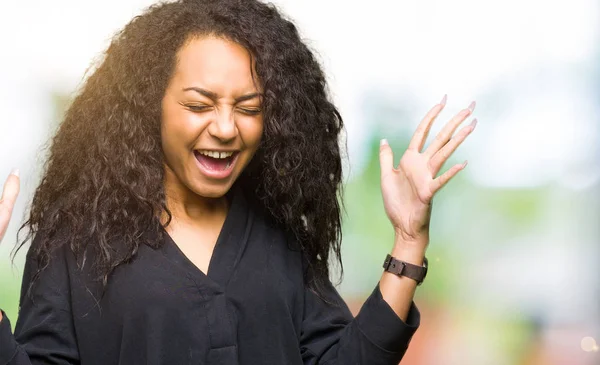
column 230, row 245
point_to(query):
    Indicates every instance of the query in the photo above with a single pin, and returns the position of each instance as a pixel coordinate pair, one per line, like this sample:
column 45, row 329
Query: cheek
column 170, row 133
column 179, row 130
column 252, row 132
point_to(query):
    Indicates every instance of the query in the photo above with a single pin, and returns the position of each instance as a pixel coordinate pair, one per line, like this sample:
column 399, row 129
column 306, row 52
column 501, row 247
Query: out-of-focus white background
column 514, row 256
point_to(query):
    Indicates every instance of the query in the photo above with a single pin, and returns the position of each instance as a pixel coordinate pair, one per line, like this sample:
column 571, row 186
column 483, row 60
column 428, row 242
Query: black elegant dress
column 250, row 308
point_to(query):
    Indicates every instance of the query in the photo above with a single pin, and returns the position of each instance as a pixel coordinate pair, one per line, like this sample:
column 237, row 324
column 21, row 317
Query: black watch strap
column 401, row 268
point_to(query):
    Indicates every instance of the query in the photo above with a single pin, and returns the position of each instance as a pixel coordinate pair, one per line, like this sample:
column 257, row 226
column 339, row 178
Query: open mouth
column 216, row 164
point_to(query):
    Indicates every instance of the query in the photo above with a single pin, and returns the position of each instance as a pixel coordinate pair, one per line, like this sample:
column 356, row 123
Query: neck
column 187, row 207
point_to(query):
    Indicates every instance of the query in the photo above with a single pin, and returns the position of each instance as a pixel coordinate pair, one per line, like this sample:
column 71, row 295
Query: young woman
column 189, row 206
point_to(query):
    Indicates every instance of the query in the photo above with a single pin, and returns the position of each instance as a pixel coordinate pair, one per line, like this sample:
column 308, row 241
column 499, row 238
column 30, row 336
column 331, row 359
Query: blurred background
column 514, row 260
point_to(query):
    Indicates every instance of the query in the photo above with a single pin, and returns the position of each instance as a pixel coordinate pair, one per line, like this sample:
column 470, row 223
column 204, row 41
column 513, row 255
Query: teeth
column 216, row 154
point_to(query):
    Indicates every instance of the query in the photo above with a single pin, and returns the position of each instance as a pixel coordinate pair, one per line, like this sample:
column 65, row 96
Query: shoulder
column 50, row 263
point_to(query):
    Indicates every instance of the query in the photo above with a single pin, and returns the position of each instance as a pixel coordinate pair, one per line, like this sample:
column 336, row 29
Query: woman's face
column 211, row 116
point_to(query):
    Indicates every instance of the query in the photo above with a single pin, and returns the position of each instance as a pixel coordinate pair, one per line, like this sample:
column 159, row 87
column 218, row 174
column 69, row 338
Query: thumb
column 11, row 189
column 386, row 157
column 7, row 202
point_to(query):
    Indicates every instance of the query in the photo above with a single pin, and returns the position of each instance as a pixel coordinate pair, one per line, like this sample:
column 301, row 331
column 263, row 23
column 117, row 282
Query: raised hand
column 7, row 202
column 408, row 190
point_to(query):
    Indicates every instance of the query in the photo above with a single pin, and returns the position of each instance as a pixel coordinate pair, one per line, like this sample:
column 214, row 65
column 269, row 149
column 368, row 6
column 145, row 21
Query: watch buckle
column 400, row 270
column 386, row 263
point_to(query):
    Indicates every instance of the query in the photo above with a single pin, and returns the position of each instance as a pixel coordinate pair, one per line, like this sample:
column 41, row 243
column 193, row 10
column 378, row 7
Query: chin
column 214, row 191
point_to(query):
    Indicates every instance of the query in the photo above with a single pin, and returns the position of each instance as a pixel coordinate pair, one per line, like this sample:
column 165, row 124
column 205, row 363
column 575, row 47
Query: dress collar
column 228, row 249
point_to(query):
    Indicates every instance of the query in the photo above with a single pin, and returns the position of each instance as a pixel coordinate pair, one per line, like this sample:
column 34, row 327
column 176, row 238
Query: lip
column 215, row 150
column 217, row 174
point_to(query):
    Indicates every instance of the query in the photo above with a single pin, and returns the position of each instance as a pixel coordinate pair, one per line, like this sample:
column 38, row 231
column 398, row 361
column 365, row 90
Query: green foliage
column 10, row 282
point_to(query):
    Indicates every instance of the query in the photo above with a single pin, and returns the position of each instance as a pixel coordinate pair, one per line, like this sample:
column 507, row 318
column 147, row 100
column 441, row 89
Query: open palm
column 408, row 190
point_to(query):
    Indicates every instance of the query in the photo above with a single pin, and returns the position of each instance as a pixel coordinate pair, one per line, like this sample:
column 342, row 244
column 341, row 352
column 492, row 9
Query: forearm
column 375, row 336
column 399, row 291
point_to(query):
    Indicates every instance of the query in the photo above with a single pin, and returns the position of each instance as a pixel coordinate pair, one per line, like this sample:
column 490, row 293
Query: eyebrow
column 213, row 96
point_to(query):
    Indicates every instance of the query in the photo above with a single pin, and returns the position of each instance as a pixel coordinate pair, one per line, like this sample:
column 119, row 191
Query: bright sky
column 523, row 61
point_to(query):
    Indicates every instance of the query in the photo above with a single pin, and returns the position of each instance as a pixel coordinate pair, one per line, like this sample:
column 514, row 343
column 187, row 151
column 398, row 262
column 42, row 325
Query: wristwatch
column 401, row 268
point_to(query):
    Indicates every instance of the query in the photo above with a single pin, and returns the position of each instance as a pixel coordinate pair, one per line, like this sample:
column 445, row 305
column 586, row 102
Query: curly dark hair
column 103, row 182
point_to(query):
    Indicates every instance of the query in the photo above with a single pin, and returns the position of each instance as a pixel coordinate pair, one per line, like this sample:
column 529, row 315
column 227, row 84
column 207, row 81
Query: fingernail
column 443, row 102
column 383, row 142
column 471, row 107
column 474, row 123
column 15, row 172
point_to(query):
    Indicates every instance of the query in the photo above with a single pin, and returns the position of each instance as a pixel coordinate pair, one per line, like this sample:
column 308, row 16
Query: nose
column 223, row 125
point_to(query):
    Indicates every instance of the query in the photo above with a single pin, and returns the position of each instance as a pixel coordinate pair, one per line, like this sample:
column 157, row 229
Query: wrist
column 410, row 238
column 415, row 269
column 414, row 257
column 411, row 251
column 413, row 243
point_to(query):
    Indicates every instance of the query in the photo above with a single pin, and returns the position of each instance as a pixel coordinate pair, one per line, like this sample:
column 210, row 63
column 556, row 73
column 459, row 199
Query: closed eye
column 198, row 108
column 202, row 108
column 250, row 111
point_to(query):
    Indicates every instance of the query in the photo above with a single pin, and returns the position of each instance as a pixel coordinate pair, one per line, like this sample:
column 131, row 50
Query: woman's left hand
column 7, row 201
column 409, row 189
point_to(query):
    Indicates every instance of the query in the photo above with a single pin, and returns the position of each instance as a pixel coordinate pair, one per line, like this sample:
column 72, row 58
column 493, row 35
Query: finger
column 418, row 140
column 4, row 219
column 442, row 180
column 8, row 199
column 446, row 133
column 438, row 160
column 11, row 189
column 386, row 158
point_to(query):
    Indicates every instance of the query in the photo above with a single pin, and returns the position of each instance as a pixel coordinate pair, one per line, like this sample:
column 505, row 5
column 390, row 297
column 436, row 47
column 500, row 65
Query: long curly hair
column 103, row 182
